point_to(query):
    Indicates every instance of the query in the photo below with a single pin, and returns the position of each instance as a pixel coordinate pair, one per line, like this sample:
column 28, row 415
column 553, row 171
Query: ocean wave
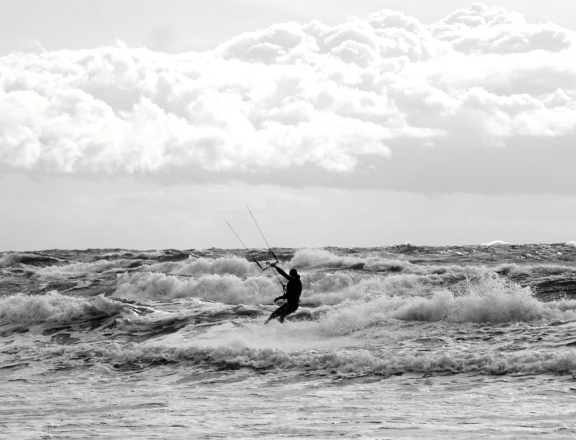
column 81, row 268
column 314, row 258
column 306, row 259
column 332, row 289
column 206, row 266
column 223, row 288
column 127, row 254
column 490, row 300
column 318, row 288
column 366, row 303
column 54, row 308
column 13, row 258
column 340, row 363
column 158, row 255
column 512, row 269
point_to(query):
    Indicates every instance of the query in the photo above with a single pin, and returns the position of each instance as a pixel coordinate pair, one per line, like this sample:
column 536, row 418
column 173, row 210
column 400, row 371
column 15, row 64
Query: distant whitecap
column 496, row 243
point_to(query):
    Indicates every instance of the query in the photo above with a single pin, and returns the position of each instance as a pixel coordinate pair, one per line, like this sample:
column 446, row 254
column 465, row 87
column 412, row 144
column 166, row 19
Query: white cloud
column 495, row 30
column 290, row 95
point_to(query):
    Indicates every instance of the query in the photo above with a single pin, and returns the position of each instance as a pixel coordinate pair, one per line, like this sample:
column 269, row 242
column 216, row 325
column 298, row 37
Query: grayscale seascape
column 406, row 168
column 389, row 342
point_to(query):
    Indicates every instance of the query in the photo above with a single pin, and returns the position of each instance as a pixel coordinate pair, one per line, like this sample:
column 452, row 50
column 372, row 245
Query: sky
column 145, row 125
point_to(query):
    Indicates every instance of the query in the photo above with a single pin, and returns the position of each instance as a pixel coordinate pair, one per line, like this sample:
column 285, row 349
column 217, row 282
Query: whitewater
column 389, row 342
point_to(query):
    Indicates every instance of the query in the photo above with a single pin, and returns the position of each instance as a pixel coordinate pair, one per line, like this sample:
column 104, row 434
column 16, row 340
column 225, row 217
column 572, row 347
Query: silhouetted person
column 292, row 295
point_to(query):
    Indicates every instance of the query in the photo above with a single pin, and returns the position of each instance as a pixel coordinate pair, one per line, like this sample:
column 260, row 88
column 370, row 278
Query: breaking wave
column 314, row 258
column 10, row 259
column 343, row 363
column 361, row 302
column 82, row 268
column 239, row 267
column 318, row 288
column 226, row 288
column 491, row 300
column 374, row 319
column 377, row 311
column 54, row 308
column 512, row 269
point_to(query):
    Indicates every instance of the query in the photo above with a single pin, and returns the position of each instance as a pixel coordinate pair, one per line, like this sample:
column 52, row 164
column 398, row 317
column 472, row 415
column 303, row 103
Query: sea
column 395, row 342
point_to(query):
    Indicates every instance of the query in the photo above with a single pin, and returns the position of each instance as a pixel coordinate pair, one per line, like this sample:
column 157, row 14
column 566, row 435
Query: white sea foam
column 319, row 346
column 490, row 300
column 369, row 302
column 226, row 288
column 305, row 258
column 318, row 288
column 205, row 266
column 337, row 288
column 409, row 296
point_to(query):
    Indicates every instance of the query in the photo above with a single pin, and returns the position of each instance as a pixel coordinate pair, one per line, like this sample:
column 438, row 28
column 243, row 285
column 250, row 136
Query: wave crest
column 341, row 364
column 490, row 300
column 13, row 258
column 227, row 288
column 239, row 267
column 54, row 308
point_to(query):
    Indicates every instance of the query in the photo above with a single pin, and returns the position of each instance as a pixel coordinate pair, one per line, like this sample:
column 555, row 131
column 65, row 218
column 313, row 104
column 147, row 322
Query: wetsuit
column 292, row 295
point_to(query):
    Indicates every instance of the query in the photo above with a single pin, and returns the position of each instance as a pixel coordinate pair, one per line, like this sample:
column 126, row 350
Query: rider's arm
column 285, row 275
column 281, row 272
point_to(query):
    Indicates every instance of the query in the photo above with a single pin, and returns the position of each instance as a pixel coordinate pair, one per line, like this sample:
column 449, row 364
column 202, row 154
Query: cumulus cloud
column 495, row 30
column 290, row 95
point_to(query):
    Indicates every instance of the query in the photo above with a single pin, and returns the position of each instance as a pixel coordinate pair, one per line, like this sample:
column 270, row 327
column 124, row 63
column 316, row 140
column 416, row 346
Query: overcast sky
column 143, row 124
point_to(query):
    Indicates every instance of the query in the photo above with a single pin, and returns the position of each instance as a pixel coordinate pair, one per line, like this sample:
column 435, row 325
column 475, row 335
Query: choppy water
column 392, row 342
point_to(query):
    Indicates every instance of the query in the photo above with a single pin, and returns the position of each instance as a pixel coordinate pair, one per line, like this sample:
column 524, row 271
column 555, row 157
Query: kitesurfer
column 292, row 295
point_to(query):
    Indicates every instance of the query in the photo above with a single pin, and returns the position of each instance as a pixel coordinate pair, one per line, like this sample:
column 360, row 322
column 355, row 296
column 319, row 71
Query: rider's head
column 293, row 272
